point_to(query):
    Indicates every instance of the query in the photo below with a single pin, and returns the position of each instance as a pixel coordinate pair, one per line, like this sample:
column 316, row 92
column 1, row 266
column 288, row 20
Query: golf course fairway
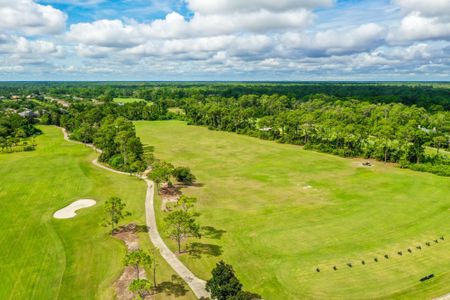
column 47, row 258
column 286, row 218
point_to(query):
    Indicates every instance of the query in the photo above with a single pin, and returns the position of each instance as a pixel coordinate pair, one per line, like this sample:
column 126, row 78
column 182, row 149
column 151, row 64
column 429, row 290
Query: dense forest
column 433, row 96
column 407, row 124
column 16, row 131
column 387, row 132
column 108, row 126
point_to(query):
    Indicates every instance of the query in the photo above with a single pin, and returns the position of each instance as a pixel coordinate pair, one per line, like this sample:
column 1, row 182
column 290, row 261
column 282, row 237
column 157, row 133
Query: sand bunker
column 70, row 210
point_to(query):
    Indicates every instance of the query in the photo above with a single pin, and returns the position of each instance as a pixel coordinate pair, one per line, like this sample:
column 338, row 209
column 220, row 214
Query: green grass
column 128, row 100
column 433, row 151
column 276, row 232
column 45, row 258
column 177, row 110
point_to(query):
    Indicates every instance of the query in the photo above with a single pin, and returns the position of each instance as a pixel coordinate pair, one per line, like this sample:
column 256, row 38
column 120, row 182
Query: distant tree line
column 386, row 121
column 388, row 132
column 433, row 96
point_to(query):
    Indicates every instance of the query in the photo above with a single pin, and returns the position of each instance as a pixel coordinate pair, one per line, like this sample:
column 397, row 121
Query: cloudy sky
column 225, row 40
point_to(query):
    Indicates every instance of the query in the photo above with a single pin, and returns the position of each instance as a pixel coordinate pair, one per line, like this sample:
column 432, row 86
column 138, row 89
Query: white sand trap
column 69, row 211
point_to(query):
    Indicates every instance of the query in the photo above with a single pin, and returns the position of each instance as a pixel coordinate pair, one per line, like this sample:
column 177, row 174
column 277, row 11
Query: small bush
column 184, row 175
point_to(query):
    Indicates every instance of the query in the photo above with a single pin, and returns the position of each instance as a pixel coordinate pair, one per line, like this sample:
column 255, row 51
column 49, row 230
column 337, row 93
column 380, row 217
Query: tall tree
column 114, row 212
column 186, row 203
column 223, row 284
column 141, row 286
column 137, row 259
column 180, row 225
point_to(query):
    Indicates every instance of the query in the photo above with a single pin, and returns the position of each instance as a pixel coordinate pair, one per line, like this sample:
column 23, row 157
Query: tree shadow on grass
column 174, row 287
column 212, row 233
column 148, row 149
column 197, row 250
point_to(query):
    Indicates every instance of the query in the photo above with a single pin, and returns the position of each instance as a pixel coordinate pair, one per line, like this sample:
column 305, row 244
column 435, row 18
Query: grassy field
column 277, row 213
column 433, row 151
column 45, row 258
column 128, row 100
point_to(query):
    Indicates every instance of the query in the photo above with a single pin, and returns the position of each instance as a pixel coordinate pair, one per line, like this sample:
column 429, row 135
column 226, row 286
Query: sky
column 225, row 40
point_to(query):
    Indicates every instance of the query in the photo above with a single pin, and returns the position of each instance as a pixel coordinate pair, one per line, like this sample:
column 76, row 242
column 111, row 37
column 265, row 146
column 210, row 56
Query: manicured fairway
column 45, row 258
column 277, row 213
column 128, row 100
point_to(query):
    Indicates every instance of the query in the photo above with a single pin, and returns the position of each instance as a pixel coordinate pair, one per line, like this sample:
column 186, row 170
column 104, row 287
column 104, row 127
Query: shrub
column 184, row 175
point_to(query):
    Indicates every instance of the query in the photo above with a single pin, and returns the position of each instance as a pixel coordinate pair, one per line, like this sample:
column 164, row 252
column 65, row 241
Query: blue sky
column 225, row 40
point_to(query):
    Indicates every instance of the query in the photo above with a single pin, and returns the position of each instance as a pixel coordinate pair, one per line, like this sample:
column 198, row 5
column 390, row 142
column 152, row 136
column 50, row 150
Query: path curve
column 196, row 284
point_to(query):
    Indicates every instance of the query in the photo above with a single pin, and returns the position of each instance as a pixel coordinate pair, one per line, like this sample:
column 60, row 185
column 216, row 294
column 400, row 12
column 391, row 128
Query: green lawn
column 432, row 151
column 277, row 212
column 45, row 258
column 128, row 100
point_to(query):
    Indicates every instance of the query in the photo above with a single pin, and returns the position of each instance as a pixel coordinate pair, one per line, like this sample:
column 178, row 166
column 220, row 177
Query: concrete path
column 196, row 284
column 445, row 297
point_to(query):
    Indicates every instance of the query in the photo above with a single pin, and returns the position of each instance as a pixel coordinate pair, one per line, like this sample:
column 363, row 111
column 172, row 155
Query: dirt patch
column 130, row 239
column 127, row 234
column 122, row 284
column 169, row 194
column 169, row 190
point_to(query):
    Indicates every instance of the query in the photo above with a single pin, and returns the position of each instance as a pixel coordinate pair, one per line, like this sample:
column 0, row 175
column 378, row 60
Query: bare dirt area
column 169, row 194
column 127, row 234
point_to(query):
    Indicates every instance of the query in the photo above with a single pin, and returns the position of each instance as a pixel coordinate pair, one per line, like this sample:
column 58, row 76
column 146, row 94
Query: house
column 27, row 114
column 426, row 130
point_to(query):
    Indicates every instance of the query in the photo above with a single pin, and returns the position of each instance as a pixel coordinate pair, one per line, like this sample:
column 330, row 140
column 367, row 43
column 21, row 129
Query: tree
column 154, row 252
column 184, row 175
column 161, row 173
column 141, row 286
column 439, row 141
column 186, row 203
column 224, row 284
column 114, row 212
column 181, row 225
column 137, row 258
column 244, row 295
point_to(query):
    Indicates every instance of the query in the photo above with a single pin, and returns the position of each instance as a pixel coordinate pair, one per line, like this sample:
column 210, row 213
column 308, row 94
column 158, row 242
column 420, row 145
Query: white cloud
column 29, row 18
column 417, row 27
column 424, row 20
column 216, row 7
column 282, row 39
column 115, row 33
column 342, row 41
column 430, row 8
column 106, row 33
column 21, row 47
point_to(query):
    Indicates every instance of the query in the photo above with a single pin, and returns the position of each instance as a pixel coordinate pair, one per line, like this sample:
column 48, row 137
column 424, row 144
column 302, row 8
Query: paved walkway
column 196, row 284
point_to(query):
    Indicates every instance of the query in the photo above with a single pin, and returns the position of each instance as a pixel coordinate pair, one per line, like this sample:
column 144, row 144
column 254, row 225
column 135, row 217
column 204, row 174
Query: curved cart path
column 196, row 284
